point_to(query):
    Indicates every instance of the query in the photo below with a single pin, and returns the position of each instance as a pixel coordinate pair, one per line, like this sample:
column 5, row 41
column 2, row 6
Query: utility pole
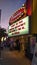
column 0, row 18
column 0, row 33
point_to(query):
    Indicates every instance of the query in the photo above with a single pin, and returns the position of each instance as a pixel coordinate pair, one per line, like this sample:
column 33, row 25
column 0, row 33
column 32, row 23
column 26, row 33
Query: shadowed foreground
column 13, row 58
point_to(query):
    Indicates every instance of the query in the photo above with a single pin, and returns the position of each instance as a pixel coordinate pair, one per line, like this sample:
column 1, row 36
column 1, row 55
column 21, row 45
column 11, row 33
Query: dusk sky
column 8, row 7
column 0, row 15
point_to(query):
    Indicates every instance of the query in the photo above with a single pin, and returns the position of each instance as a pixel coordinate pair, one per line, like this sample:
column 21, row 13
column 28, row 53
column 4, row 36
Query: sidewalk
column 14, row 58
column 12, row 54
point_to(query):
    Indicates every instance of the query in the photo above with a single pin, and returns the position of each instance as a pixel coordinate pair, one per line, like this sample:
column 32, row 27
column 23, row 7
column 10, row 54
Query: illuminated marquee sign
column 19, row 27
column 17, row 15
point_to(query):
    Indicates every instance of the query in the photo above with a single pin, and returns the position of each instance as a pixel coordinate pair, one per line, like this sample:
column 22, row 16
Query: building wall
column 34, row 17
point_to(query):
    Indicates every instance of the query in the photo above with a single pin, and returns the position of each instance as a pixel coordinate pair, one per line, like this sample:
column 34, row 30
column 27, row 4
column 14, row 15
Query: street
column 13, row 58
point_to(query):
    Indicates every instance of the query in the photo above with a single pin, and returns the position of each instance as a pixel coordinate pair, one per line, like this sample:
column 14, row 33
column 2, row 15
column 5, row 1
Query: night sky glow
column 8, row 7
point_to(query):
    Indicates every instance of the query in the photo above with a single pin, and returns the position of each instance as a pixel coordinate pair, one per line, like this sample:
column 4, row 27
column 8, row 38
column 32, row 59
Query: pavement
column 13, row 58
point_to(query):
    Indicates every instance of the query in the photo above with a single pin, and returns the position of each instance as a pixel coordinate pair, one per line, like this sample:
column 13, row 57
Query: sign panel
column 19, row 27
column 34, row 61
column 17, row 14
column 32, row 44
column 29, row 7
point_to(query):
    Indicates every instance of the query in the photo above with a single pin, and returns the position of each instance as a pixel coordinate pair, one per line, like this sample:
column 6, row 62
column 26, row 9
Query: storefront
column 20, row 28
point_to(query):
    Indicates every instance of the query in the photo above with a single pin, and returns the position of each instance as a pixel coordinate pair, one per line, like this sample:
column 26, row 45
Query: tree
column 2, row 32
